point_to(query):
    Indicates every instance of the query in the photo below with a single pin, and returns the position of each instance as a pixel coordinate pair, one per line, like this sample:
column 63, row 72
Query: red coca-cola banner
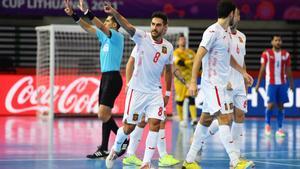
column 72, row 94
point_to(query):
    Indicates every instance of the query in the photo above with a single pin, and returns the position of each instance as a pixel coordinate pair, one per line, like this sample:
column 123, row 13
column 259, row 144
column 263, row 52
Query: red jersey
column 276, row 64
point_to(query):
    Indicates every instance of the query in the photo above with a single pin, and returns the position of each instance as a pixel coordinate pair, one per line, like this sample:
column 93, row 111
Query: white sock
column 228, row 143
column 213, row 128
column 161, row 143
column 120, row 138
column 237, row 136
column 151, row 143
column 135, row 138
column 198, row 141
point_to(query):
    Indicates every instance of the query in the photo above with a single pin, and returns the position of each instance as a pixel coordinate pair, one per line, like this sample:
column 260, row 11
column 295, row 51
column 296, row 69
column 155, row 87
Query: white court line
column 63, row 159
column 255, row 159
column 266, row 152
column 85, row 159
column 272, row 163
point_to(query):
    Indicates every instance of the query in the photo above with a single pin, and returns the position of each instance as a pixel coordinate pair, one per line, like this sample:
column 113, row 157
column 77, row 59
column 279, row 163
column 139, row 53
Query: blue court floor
column 25, row 143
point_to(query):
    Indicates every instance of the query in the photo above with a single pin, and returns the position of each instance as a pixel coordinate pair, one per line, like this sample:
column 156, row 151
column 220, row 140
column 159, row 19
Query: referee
column 111, row 52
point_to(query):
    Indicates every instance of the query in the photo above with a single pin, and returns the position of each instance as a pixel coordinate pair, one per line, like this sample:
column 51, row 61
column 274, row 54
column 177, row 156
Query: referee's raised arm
column 86, row 26
column 120, row 19
column 96, row 21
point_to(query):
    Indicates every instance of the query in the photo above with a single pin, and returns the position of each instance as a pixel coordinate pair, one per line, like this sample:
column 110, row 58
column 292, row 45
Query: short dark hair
column 115, row 21
column 275, row 35
column 161, row 15
column 224, row 8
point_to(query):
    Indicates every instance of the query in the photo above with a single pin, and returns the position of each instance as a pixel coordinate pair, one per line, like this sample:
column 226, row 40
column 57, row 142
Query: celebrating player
column 135, row 137
column 111, row 52
column 144, row 89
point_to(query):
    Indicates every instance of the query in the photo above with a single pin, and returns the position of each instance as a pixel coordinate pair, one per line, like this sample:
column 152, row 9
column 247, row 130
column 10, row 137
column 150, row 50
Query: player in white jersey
column 144, row 91
column 214, row 53
column 165, row 159
column 236, row 94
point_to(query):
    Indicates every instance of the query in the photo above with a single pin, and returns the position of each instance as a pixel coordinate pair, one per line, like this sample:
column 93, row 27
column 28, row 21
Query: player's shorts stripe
column 128, row 107
column 218, row 98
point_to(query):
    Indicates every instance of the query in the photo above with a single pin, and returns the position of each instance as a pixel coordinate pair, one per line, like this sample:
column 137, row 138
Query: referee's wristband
column 75, row 17
column 89, row 14
column 168, row 93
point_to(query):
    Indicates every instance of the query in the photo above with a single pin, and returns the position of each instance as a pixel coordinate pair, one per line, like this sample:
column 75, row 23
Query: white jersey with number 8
column 150, row 60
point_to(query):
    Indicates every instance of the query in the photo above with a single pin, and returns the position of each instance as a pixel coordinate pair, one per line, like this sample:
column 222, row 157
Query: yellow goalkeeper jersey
column 183, row 60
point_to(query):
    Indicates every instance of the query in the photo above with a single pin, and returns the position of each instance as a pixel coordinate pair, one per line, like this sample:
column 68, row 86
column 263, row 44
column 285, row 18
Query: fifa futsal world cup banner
column 72, row 95
column 196, row 9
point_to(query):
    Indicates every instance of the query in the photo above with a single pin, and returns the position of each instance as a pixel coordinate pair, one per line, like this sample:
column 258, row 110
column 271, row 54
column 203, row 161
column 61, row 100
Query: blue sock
column 280, row 117
column 268, row 116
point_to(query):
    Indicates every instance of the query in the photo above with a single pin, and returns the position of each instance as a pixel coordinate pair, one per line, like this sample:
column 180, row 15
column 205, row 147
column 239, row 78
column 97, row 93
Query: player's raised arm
column 96, row 21
column 196, row 66
column 69, row 11
column 120, row 19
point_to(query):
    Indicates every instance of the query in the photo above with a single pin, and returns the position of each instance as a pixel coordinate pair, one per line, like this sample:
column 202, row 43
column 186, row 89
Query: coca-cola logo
column 79, row 95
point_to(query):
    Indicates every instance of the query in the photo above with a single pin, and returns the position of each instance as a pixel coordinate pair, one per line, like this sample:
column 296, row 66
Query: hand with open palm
column 68, row 9
column 82, row 6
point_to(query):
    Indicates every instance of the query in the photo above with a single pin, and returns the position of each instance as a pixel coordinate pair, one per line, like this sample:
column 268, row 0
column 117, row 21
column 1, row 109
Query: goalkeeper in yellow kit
column 183, row 62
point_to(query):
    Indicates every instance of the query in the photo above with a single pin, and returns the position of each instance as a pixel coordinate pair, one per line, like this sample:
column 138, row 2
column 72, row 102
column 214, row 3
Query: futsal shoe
column 252, row 165
column 242, row 164
column 268, row 130
column 280, row 133
column 192, row 165
column 100, row 153
column 132, row 160
column 167, row 160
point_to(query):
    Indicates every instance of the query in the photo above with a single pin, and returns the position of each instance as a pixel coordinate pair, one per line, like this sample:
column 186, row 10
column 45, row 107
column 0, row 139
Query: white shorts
column 228, row 101
column 237, row 98
column 214, row 98
column 240, row 99
column 139, row 104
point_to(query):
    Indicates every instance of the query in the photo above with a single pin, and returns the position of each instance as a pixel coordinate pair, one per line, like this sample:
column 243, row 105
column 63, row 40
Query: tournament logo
column 241, row 40
column 164, row 50
column 135, row 117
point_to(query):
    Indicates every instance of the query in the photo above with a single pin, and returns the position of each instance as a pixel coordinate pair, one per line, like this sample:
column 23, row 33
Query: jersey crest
column 164, row 50
column 241, row 40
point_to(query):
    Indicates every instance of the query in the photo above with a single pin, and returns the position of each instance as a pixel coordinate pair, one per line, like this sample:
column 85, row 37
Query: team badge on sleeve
column 135, row 117
column 241, row 40
column 164, row 50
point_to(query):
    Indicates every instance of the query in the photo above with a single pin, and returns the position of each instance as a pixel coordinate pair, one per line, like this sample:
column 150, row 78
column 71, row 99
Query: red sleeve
column 264, row 58
column 288, row 61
